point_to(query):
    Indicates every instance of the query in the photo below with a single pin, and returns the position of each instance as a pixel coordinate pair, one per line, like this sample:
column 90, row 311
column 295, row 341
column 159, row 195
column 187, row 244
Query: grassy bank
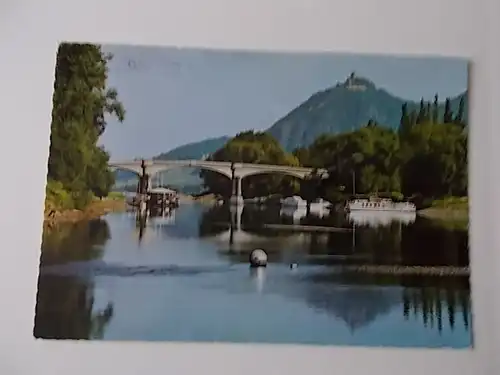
column 62, row 207
column 452, row 208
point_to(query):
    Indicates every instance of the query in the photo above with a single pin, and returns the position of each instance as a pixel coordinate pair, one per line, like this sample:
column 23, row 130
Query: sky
column 175, row 96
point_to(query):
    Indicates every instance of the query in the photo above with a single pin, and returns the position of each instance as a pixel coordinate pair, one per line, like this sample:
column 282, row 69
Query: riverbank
column 453, row 208
column 97, row 208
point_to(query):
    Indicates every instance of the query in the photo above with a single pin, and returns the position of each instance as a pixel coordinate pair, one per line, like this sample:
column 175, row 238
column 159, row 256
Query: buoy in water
column 258, row 258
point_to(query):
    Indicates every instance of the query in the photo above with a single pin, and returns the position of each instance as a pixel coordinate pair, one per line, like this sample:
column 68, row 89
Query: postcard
column 204, row 195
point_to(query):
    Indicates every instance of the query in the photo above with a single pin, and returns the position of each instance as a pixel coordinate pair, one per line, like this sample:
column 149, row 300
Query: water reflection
column 432, row 304
column 65, row 305
column 381, row 218
column 295, row 213
column 75, row 242
column 219, row 239
column 259, row 277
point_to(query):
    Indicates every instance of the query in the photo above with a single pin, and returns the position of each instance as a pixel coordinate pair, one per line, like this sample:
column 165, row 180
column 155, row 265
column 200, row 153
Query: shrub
column 57, row 197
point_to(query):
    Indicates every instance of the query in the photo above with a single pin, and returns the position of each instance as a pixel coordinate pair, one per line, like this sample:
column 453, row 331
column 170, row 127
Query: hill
column 345, row 107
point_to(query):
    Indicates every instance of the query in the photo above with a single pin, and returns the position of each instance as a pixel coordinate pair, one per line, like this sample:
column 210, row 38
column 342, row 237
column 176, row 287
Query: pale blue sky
column 176, row 96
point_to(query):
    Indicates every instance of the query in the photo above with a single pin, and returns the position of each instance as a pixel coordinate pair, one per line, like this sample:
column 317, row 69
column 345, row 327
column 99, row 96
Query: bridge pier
column 236, row 197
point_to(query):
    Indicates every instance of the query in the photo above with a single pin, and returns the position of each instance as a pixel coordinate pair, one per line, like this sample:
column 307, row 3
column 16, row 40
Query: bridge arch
column 299, row 175
column 125, row 169
column 154, row 170
column 220, row 171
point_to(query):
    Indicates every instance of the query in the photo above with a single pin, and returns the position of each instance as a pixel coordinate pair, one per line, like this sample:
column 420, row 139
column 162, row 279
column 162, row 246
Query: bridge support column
column 236, row 197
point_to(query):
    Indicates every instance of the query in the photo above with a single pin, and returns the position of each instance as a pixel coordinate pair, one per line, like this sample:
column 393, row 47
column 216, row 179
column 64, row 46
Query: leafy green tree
column 421, row 112
column 413, row 118
column 302, row 155
column 81, row 103
column 448, row 115
column 428, row 113
column 435, row 110
column 404, row 124
column 252, row 147
column 459, row 118
column 100, row 178
column 438, row 163
column 365, row 160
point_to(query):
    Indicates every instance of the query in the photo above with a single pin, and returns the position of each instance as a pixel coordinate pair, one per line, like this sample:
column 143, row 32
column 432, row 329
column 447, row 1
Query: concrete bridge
column 233, row 171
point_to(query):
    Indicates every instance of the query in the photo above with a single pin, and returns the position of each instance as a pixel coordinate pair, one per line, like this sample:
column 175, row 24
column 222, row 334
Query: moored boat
column 379, row 204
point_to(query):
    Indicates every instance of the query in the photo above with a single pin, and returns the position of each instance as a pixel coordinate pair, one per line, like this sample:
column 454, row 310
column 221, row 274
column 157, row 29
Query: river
column 185, row 277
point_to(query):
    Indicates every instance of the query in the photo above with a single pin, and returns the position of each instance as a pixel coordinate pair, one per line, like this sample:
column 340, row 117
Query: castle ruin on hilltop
column 353, row 83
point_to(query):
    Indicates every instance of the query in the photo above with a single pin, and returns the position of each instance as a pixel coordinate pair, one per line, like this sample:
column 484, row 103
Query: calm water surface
column 185, row 277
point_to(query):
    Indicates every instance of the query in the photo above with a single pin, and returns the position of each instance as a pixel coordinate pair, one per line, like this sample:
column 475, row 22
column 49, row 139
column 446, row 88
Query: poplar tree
column 81, row 102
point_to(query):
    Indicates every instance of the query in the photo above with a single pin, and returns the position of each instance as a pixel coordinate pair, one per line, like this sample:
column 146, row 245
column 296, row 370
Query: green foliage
column 57, row 197
column 362, row 161
column 81, row 103
column 426, row 158
column 435, row 160
column 252, row 147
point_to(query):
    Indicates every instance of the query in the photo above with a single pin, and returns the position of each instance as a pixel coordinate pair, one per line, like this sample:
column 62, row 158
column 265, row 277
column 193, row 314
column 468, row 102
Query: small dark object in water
column 258, row 258
column 293, row 265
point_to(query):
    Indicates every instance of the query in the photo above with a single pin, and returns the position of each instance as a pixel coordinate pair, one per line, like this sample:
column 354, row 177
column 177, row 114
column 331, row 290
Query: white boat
column 379, row 204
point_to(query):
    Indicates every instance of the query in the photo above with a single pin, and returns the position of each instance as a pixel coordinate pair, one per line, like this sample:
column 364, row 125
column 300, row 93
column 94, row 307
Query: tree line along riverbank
column 424, row 162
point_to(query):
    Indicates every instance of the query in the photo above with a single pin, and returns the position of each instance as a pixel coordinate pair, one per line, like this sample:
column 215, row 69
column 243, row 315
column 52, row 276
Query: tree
column 448, row 115
column 435, row 110
column 459, row 118
column 421, row 112
column 428, row 113
column 404, row 123
column 252, row 147
column 302, row 155
column 370, row 153
column 100, row 178
column 413, row 118
column 81, row 103
column 437, row 165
